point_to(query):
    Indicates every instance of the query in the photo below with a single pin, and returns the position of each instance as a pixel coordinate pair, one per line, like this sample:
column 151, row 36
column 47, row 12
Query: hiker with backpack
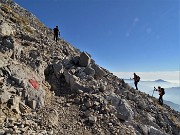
column 161, row 93
column 56, row 33
column 136, row 80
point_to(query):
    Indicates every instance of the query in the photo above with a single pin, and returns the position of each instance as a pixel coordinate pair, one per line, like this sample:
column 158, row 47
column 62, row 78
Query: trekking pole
column 153, row 91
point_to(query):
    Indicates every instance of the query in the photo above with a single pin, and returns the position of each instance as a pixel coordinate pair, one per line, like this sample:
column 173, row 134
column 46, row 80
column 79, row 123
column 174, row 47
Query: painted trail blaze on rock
column 34, row 83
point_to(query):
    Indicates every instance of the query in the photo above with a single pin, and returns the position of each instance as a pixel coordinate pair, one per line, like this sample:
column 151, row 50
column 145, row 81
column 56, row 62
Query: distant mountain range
column 173, row 105
column 160, row 80
column 172, row 91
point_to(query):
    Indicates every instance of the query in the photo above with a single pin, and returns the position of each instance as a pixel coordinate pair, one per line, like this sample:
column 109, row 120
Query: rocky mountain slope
column 49, row 88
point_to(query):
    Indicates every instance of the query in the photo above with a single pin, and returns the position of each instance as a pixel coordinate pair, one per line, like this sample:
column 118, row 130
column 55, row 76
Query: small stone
column 2, row 132
column 77, row 101
column 87, row 113
column 87, row 104
column 9, row 131
column 11, row 101
column 96, row 103
column 79, row 91
column 23, row 108
column 32, row 104
column 92, row 119
column 110, row 124
column 50, row 132
column 83, row 108
column 68, row 104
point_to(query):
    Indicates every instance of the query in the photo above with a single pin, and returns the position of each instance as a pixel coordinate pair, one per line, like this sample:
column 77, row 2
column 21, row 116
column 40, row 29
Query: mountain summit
column 49, row 88
column 160, row 80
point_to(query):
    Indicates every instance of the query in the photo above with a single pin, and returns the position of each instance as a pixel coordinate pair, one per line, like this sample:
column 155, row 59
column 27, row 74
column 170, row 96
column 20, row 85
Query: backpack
column 56, row 30
column 138, row 79
column 162, row 91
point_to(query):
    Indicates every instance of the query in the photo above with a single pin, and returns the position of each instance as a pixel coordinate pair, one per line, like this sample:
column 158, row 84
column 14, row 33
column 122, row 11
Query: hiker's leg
column 135, row 83
column 54, row 36
column 160, row 100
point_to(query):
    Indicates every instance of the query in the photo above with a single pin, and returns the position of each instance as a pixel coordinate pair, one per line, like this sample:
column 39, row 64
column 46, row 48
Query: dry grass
column 39, row 23
column 6, row 8
column 175, row 120
column 23, row 21
column 28, row 29
column 16, row 18
column 2, row 13
column 20, row 19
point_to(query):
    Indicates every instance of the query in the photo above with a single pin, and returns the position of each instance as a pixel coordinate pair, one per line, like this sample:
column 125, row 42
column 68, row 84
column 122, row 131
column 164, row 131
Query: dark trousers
column 135, row 83
column 160, row 100
column 56, row 37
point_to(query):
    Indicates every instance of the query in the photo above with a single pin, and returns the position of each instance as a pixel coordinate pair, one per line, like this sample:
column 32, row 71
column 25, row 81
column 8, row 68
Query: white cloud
column 136, row 19
column 172, row 76
column 129, row 31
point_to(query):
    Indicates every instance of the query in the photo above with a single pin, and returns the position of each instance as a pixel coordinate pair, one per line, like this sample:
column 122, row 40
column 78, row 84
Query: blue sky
column 121, row 35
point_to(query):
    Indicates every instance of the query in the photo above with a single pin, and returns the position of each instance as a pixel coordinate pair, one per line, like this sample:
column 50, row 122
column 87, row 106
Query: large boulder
column 58, row 69
column 154, row 131
column 70, row 79
column 84, row 60
column 34, row 94
column 124, row 110
column 99, row 72
column 144, row 129
column 89, row 71
column 6, row 29
column 7, row 45
column 75, row 83
column 4, row 97
column 31, row 84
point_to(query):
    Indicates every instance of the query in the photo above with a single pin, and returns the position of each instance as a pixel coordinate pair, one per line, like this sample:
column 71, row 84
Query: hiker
column 161, row 93
column 136, row 80
column 56, row 33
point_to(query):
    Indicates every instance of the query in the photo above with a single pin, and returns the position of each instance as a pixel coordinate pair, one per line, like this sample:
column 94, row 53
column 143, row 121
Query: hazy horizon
column 169, row 76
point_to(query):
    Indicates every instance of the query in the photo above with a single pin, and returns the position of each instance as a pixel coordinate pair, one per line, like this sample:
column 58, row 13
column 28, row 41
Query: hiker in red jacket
column 56, row 33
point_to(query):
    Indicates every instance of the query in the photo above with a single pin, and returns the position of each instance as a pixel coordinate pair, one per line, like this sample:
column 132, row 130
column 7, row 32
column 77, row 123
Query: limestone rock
column 6, row 29
column 23, row 108
column 154, row 131
column 4, row 97
column 122, row 106
column 92, row 119
column 58, row 69
column 32, row 104
column 99, row 72
column 84, row 60
column 89, row 71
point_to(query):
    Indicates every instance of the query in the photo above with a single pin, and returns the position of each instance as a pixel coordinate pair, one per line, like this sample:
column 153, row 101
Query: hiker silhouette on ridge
column 136, row 80
column 161, row 93
column 56, row 33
